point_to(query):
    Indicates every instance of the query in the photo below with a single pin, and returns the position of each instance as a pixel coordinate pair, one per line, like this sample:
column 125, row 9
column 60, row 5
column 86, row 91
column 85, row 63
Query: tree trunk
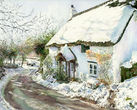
column 14, row 60
column 22, row 61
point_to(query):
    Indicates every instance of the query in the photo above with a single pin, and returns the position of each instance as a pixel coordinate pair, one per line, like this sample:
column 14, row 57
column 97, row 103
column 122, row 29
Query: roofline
column 120, row 37
column 73, row 54
column 89, row 9
column 105, row 44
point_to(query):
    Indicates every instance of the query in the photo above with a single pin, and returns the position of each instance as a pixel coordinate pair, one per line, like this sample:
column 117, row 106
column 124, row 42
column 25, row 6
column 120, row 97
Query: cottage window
column 84, row 48
column 93, row 68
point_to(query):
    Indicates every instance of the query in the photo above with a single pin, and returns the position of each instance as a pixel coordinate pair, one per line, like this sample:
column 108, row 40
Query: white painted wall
column 123, row 50
column 53, row 52
column 81, row 60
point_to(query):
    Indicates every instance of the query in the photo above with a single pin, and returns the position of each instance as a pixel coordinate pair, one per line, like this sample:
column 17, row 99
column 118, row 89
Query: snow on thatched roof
column 100, row 25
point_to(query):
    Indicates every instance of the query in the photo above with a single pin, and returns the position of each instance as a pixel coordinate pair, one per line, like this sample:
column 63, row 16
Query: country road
column 24, row 94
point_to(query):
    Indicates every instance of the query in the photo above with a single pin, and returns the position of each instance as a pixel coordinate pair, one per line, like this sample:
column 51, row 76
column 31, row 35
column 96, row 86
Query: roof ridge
column 90, row 9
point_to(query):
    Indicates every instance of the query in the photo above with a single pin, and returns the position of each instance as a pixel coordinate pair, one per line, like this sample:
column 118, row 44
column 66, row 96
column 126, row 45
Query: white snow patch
column 134, row 57
column 126, row 96
column 132, row 61
column 127, row 64
column 67, row 53
column 76, row 89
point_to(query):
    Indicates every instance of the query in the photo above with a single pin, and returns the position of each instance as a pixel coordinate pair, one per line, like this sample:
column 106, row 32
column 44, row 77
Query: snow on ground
column 132, row 61
column 126, row 95
column 89, row 89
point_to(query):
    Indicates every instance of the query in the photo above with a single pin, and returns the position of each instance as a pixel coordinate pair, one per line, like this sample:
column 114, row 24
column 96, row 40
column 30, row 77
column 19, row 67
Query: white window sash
column 92, row 70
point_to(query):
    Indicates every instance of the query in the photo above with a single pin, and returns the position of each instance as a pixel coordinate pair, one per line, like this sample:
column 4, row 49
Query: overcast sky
column 58, row 9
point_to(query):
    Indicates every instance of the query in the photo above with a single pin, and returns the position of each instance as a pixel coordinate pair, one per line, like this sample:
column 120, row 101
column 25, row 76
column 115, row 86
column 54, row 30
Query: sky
column 58, row 10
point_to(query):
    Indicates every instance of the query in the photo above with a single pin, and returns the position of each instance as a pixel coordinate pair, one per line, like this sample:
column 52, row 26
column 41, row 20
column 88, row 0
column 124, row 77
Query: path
column 24, row 94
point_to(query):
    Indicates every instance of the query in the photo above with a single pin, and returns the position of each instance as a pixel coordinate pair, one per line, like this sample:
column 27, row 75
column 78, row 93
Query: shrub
column 39, row 46
column 60, row 74
column 47, row 67
column 1, row 62
column 128, row 98
column 127, row 73
column 105, row 77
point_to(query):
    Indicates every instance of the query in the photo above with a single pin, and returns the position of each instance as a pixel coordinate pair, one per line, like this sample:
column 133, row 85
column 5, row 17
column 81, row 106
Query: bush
column 127, row 73
column 1, row 62
column 39, row 46
column 105, row 77
column 60, row 74
column 47, row 67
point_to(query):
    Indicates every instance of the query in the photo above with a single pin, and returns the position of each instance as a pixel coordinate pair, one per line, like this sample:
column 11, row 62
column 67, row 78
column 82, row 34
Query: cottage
column 96, row 42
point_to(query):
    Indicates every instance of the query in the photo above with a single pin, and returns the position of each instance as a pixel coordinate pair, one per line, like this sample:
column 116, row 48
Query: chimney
column 73, row 10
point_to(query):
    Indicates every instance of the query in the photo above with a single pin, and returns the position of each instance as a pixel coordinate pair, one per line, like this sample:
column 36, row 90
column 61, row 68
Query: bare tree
column 14, row 23
column 11, row 17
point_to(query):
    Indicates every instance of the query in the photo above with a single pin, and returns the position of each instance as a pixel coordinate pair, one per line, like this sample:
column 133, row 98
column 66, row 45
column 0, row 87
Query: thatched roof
column 102, row 25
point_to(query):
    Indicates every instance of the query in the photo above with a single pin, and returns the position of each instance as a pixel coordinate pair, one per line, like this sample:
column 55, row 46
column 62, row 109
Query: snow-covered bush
column 105, row 77
column 126, row 95
column 93, row 83
column 89, row 89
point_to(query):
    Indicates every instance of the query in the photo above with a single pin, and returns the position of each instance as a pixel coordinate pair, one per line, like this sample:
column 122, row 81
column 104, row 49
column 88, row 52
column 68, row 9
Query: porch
column 66, row 61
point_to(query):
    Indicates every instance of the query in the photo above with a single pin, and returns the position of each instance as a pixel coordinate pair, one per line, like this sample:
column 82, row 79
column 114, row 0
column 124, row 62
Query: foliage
column 104, row 77
column 1, row 62
column 75, row 79
column 8, row 51
column 3, row 52
column 126, row 2
column 127, row 73
column 47, row 66
column 128, row 98
column 39, row 45
column 57, row 71
column 60, row 74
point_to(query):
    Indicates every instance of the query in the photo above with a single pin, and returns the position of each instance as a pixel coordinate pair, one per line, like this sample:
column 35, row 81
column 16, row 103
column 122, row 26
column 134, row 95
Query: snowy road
column 24, row 94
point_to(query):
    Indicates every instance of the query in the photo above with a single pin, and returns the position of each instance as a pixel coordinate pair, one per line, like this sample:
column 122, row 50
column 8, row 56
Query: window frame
column 93, row 66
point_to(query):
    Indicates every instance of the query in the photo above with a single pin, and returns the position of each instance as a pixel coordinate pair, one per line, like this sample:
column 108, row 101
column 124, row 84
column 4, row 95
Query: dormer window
column 84, row 48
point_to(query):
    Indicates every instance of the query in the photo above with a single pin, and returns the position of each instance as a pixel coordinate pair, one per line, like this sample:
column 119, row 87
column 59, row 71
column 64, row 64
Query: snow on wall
column 123, row 50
